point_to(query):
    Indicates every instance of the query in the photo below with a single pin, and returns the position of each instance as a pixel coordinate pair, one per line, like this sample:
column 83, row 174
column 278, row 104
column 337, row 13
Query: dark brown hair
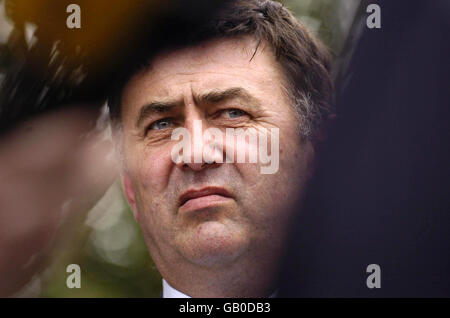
column 302, row 58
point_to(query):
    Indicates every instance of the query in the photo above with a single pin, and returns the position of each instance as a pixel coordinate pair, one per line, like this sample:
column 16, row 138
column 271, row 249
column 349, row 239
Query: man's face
column 210, row 214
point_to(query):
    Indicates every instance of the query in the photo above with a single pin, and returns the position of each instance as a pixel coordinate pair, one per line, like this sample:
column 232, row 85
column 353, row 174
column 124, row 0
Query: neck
column 253, row 277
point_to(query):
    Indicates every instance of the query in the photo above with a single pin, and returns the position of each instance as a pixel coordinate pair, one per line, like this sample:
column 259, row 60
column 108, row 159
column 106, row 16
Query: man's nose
column 205, row 152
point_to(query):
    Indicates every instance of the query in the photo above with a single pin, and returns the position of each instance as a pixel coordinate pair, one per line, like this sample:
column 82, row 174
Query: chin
column 213, row 243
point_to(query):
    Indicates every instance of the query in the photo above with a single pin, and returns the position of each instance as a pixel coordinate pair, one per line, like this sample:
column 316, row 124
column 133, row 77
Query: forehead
column 216, row 64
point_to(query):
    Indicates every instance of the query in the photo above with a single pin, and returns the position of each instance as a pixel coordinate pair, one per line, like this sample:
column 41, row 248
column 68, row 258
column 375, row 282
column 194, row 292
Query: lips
column 203, row 196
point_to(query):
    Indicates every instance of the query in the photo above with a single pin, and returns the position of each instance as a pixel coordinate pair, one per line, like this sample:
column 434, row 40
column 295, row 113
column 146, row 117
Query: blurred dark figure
column 56, row 65
column 381, row 195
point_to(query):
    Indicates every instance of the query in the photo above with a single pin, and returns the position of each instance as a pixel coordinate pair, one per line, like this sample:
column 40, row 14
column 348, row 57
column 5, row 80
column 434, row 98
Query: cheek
column 150, row 169
column 289, row 181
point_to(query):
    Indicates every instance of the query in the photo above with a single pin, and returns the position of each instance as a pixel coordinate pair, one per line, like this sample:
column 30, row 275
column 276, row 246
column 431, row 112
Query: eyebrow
column 212, row 97
column 154, row 108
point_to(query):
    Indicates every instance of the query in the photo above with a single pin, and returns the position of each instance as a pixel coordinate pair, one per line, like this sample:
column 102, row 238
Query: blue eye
column 234, row 113
column 160, row 124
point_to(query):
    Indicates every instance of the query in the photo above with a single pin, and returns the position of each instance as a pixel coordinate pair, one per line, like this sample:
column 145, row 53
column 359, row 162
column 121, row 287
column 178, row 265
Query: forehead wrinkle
column 216, row 95
column 157, row 74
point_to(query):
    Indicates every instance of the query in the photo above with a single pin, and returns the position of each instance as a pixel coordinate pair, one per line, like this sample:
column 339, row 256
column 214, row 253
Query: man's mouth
column 195, row 199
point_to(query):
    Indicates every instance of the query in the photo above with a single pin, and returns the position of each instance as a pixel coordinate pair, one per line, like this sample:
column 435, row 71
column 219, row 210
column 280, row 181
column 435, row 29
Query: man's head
column 254, row 67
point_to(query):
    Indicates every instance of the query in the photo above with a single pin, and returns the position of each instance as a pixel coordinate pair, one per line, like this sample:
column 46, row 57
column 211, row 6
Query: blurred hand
column 53, row 169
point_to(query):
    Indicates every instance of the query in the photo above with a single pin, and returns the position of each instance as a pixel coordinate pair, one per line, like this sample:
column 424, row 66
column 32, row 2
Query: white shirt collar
column 170, row 292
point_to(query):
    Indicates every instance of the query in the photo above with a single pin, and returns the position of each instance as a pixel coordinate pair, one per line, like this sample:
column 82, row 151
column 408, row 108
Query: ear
column 129, row 193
